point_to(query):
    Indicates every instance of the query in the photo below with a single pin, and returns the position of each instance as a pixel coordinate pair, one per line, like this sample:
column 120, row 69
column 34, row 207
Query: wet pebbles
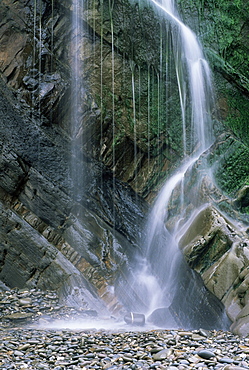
column 25, row 347
column 34, row 306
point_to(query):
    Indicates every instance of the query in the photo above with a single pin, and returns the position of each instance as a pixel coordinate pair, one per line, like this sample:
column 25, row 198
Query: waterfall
column 193, row 77
column 161, row 274
column 160, row 271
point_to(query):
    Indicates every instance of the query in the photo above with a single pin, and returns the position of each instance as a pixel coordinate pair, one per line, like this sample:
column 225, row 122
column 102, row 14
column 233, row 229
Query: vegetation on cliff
column 223, row 28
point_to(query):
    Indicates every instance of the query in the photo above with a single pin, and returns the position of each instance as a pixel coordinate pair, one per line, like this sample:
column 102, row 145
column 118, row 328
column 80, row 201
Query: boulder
column 242, row 197
column 216, row 249
column 135, row 319
column 241, row 323
column 207, row 238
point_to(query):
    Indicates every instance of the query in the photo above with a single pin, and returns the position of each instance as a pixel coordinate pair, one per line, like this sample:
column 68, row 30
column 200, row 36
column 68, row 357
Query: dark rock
column 13, row 170
column 162, row 317
column 31, row 83
column 206, row 354
column 204, row 312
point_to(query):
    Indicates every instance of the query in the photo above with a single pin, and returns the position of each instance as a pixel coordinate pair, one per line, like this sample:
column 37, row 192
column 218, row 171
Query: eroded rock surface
column 215, row 248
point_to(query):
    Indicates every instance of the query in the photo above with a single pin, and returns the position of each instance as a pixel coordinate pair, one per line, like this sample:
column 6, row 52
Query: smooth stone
column 204, row 333
column 225, row 360
column 154, row 365
column 162, row 355
column 109, row 366
column 156, row 349
column 18, row 353
column 194, row 359
column 23, row 347
column 184, row 362
column 200, row 364
column 90, row 355
column 171, row 342
column 197, row 337
column 205, row 354
column 127, row 358
column 25, row 301
column 233, row 367
column 134, row 319
column 19, row 316
column 185, row 333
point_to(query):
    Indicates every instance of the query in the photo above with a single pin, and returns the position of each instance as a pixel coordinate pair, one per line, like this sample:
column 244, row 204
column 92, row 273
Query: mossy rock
column 230, row 164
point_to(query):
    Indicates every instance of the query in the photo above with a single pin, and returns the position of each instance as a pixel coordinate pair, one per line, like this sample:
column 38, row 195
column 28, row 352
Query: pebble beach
column 29, row 339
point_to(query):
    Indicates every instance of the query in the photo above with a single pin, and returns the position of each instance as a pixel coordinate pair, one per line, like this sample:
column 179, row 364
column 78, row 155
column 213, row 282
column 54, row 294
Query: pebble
column 162, row 354
column 34, row 306
column 24, row 345
column 205, row 354
column 104, row 349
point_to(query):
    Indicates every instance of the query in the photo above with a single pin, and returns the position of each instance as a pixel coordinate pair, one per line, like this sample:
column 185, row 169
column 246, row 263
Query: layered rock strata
column 215, row 248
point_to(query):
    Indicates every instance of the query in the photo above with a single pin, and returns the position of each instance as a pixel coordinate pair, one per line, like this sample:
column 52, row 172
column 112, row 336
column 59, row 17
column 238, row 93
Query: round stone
column 162, row 355
column 206, row 354
column 225, row 360
column 25, row 301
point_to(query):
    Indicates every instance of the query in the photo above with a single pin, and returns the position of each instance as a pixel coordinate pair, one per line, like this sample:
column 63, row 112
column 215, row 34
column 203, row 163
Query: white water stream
column 157, row 272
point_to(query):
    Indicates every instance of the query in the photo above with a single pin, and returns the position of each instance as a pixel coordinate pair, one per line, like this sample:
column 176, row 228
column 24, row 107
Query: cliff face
column 93, row 235
column 55, row 236
column 50, row 239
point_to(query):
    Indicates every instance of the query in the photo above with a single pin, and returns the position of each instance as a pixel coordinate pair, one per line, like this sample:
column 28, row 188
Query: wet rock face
column 13, row 33
column 27, row 62
column 207, row 239
column 220, row 253
column 50, row 238
column 39, row 67
column 97, row 232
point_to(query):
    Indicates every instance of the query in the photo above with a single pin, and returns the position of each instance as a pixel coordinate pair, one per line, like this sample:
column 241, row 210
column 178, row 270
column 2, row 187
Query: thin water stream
column 76, row 97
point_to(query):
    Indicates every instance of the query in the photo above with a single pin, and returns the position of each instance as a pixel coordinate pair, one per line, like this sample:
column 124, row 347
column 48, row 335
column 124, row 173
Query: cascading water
column 159, row 279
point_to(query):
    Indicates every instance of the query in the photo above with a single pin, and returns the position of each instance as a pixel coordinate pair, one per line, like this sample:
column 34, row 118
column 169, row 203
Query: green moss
column 223, row 26
column 238, row 118
column 233, row 169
